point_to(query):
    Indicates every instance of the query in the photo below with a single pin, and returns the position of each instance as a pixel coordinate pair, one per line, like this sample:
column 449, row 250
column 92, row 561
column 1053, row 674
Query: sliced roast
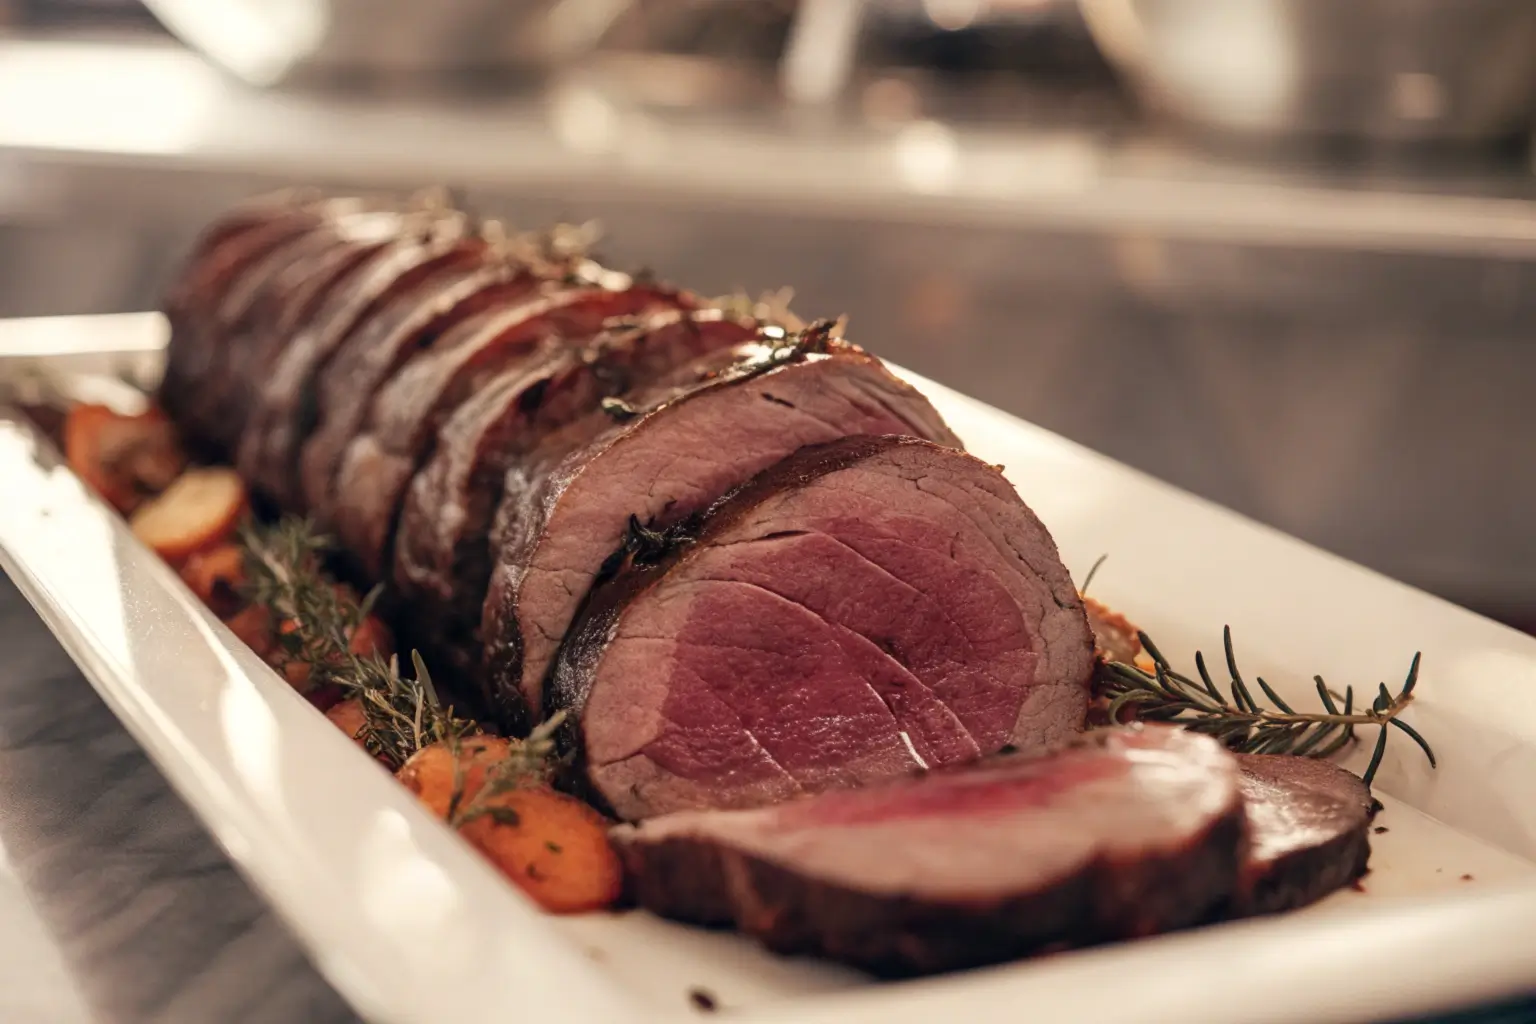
column 267, row 299
column 282, row 412
column 403, row 419
column 344, row 388
column 235, row 263
column 1309, row 824
column 863, row 608
column 236, row 239
column 679, row 446
column 442, row 557
column 1129, row 833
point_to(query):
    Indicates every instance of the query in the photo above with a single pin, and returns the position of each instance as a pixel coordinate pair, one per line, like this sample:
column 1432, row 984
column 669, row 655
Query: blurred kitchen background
column 1279, row 252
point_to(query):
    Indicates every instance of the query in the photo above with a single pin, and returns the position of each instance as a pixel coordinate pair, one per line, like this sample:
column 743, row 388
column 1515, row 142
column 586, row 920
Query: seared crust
column 404, row 418
column 192, row 304
column 373, row 353
column 283, row 411
column 262, row 301
column 442, row 554
column 697, row 882
column 1311, row 829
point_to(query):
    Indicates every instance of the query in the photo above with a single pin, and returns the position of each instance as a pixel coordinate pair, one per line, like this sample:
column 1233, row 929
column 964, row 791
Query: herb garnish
column 1165, row 695
column 283, row 565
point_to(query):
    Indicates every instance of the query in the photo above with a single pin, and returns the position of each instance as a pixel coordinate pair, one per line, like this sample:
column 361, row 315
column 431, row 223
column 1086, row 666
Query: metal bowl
column 1381, row 70
column 267, row 42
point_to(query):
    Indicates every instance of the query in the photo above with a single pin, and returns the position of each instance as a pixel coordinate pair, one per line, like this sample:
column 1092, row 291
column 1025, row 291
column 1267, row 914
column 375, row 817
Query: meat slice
column 345, row 387
column 1309, row 826
column 442, row 557
column 863, row 608
column 401, row 430
column 283, row 409
column 683, row 444
column 1130, row 833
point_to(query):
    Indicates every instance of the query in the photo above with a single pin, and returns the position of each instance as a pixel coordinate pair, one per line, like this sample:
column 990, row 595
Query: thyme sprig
column 1241, row 723
column 284, row 574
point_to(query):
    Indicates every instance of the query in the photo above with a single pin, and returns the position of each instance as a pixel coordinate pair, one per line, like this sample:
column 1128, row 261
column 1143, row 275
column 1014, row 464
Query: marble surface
column 115, row 904
column 135, row 915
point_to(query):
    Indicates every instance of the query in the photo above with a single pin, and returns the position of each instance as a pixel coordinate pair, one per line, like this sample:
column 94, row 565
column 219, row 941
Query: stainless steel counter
column 1345, row 357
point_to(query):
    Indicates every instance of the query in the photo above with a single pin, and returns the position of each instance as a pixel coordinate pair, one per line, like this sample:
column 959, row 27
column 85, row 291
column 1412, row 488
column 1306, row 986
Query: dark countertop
column 148, row 917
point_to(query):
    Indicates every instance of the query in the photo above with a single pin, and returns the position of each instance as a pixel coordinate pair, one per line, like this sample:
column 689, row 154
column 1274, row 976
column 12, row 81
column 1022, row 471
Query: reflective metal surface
column 286, row 40
column 1384, row 70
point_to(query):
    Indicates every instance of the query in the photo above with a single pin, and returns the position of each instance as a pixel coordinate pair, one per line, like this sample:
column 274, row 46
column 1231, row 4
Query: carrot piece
column 371, row 637
column 348, row 716
column 429, row 772
column 198, row 512
column 552, row 846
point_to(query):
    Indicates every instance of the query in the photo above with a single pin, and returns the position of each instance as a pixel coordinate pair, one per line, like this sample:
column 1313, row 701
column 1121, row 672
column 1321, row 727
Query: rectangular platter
column 410, row 925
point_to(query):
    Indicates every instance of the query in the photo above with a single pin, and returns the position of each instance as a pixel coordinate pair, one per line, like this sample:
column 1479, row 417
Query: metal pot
column 266, row 42
column 1381, row 70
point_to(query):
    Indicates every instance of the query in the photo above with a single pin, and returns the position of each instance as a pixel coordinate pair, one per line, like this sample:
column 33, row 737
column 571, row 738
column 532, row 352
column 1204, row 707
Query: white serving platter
column 410, row 926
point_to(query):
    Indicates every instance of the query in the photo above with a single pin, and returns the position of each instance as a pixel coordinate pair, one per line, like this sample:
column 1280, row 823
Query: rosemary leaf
column 1376, row 756
column 1413, row 734
column 1205, row 677
column 1240, row 692
column 1338, row 743
column 1314, row 736
column 1325, row 696
column 1152, row 651
column 1088, row 580
column 1274, row 698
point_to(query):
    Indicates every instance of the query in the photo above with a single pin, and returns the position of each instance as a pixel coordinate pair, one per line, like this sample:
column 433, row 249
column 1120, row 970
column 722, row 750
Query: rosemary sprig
column 1231, row 714
column 401, row 716
column 283, row 575
column 283, row 565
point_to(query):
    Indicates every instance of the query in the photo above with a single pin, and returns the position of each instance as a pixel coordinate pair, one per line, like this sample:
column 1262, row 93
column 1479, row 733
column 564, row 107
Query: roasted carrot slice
column 552, row 846
column 430, row 771
column 348, row 716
